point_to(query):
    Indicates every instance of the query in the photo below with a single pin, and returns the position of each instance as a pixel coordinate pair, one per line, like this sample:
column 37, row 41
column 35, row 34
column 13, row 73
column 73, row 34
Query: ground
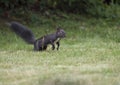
column 89, row 55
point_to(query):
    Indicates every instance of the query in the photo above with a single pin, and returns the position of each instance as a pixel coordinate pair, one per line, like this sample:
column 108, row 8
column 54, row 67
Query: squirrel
column 42, row 43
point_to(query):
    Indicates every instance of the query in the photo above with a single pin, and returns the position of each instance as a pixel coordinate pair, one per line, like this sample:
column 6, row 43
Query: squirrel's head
column 60, row 33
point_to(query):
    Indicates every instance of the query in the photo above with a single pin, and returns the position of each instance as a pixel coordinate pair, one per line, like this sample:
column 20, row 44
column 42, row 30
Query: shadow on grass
column 66, row 82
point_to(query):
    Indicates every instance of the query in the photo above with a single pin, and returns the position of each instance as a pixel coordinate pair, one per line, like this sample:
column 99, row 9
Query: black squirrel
column 41, row 43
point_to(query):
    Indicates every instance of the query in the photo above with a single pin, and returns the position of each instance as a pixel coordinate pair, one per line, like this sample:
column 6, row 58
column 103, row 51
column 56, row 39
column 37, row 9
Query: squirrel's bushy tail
column 22, row 31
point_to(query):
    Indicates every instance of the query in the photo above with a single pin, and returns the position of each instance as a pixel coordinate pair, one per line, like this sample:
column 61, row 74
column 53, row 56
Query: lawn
column 89, row 55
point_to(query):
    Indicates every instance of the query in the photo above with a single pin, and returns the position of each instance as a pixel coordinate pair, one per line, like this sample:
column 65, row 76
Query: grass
column 89, row 55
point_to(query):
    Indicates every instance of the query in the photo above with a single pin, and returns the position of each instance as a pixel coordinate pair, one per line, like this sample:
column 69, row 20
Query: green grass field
column 89, row 55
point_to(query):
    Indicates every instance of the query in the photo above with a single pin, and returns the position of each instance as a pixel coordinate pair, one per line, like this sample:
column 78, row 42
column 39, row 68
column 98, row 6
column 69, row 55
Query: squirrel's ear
column 58, row 28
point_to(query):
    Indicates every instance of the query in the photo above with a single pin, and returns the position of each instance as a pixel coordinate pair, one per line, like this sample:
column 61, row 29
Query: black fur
column 41, row 43
column 23, row 32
